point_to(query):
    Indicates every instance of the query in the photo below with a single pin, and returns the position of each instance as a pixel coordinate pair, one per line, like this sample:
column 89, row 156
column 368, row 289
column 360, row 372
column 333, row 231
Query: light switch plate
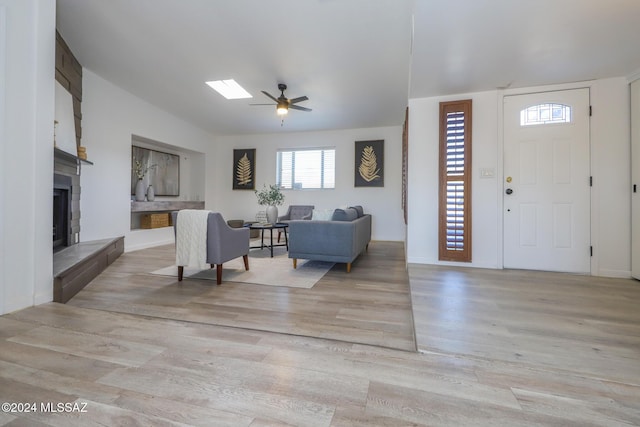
column 487, row 173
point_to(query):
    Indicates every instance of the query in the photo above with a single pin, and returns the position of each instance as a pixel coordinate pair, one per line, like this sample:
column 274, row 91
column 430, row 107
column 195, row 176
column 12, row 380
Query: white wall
column 610, row 148
column 26, row 276
column 611, row 170
column 3, row 135
column 422, row 230
column 111, row 116
column 384, row 203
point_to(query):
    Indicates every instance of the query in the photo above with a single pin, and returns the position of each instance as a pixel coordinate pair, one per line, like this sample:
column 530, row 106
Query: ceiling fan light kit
column 282, row 108
column 283, row 104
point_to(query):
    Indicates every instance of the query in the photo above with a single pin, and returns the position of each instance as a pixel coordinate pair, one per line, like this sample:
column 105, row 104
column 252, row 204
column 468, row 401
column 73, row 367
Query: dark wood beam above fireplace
column 69, row 75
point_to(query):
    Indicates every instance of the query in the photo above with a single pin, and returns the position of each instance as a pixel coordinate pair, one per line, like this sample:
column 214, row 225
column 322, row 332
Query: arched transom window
column 544, row 114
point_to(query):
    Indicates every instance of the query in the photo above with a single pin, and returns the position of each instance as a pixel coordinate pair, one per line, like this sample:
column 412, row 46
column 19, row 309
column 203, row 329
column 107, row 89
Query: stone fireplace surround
column 66, row 176
column 75, row 265
column 62, row 190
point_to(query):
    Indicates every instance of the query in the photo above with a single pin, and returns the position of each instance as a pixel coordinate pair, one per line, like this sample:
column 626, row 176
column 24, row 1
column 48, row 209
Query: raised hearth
column 74, row 267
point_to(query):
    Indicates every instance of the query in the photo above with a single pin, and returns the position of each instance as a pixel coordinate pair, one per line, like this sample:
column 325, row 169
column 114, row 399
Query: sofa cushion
column 358, row 209
column 322, row 214
column 348, row 214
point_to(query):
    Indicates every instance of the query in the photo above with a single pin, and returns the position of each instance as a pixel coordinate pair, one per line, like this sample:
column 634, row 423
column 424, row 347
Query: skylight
column 230, row 89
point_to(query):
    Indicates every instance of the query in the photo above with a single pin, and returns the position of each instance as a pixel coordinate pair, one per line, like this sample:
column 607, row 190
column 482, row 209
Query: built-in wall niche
column 190, row 170
column 155, row 168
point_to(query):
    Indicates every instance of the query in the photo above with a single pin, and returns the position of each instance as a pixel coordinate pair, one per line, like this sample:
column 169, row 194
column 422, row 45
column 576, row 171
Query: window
column 544, row 114
column 306, row 168
column 454, row 208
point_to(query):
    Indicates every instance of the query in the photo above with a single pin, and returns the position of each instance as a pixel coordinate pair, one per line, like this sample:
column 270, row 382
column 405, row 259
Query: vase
column 272, row 214
column 140, row 191
column 151, row 194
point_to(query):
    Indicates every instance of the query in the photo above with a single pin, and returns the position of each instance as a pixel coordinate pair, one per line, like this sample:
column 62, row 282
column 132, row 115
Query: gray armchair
column 223, row 243
column 295, row 212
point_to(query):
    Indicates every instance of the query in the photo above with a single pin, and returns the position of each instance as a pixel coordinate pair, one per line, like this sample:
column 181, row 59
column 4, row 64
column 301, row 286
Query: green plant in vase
column 271, row 197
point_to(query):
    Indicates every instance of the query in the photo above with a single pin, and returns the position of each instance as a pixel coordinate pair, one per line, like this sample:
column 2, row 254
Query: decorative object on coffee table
column 244, row 169
column 369, row 163
column 261, row 216
column 271, row 197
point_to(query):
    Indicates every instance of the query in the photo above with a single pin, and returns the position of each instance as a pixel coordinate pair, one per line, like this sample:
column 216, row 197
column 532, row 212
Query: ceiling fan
column 283, row 104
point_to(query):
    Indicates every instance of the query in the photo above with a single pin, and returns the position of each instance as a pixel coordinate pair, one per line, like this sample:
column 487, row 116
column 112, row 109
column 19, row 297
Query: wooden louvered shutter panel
column 455, row 181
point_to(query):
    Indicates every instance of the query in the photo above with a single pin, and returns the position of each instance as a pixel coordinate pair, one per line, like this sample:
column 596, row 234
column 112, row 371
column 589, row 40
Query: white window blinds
column 306, row 168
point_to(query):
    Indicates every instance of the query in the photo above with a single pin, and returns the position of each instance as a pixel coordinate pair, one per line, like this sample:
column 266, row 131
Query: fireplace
column 62, row 186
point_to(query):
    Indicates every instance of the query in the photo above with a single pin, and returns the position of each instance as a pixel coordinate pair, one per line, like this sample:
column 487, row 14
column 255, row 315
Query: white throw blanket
column 191, row 238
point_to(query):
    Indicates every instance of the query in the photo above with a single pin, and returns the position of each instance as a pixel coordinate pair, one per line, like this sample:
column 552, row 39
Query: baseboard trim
column 619, row 274
column 139, row 247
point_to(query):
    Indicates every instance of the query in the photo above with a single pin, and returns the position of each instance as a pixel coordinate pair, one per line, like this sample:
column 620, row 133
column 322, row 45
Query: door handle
column 509, row 191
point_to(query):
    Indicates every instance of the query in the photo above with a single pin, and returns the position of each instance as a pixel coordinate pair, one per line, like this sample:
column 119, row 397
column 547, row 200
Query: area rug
column 263, row 270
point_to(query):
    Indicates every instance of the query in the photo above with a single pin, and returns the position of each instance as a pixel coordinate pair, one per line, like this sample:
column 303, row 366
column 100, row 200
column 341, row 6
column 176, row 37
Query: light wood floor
column 588, row 326
column 370, row 305
column 499, row 348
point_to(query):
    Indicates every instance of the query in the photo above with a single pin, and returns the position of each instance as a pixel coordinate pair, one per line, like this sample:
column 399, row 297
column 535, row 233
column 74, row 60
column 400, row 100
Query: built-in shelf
column 58, row 153
column 164, row 206
column 142, row 210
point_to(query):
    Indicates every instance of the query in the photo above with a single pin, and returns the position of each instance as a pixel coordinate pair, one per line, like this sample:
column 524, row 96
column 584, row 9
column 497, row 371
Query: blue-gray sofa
column 340, row 239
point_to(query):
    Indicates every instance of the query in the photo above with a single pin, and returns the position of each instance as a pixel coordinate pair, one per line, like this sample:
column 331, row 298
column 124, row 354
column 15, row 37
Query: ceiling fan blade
column 297, row 107
column 270, row 96
column 299, row 99
column 262, row 104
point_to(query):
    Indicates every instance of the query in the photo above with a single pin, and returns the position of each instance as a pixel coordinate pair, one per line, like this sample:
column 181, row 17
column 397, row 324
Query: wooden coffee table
column 279, row 226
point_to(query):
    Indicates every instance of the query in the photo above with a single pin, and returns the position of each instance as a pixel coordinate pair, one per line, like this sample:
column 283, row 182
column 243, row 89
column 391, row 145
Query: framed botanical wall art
column 156, row 168
column 369, row 163
column 244, row 169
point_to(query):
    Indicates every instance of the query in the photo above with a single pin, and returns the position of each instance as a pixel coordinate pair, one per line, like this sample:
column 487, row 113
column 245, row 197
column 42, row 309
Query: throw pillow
column 358, row 209
column 348, row 214
column 322, row 214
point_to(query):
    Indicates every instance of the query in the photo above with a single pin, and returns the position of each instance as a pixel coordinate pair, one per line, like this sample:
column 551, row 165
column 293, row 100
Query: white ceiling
column 354, row 59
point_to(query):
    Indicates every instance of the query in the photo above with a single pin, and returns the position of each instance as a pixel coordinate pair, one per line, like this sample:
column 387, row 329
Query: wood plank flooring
column 370, row 305
column 586, row 325
column 497, row 348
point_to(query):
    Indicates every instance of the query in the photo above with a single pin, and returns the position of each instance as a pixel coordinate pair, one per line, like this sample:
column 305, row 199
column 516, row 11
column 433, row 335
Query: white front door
column 547, row 181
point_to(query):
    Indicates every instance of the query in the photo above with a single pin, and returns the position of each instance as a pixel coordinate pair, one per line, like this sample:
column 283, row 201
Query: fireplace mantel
column 59, row 154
